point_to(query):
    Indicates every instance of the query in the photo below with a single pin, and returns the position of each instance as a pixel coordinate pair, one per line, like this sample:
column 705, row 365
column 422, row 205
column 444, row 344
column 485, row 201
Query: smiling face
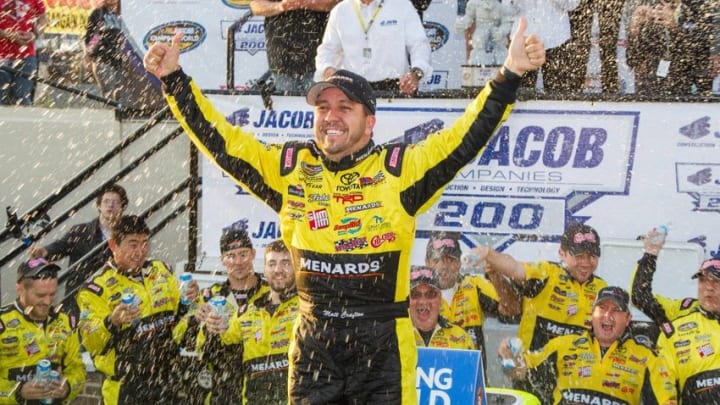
column 609, row 322
column 279, row 271
column 36, row 296
column 425, row 307
column 131, row 252
column 581, row 266
column 342, row 126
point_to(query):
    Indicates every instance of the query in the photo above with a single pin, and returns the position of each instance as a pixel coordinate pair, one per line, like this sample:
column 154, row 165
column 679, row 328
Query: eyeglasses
column 108, row 201
column 429, row 294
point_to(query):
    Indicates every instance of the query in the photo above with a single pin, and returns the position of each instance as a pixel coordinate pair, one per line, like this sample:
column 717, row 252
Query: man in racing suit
column 265, row 331
column 131, row 343
column 431, row 329
column 607, row 365
column 353, row 341
column 469, row 299
column 31, row 330
column 690, row 342
column 208, row 366
column 658, row 308
column 557, row 297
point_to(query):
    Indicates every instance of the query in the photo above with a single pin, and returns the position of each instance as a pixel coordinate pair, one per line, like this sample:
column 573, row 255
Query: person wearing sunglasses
column 431, row 329
column 32, row 330
column 691, row 341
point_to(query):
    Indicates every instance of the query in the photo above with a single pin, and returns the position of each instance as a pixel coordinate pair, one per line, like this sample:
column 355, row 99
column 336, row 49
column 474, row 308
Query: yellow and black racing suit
column 690, row 346
column 265, row 331
column 658, row 308
column 136, row 359
column 554, row 304
column 475, row 299
column 446, row 335
column 24, row 342
column 350, row 227
column 205, row 355
column 630, row 371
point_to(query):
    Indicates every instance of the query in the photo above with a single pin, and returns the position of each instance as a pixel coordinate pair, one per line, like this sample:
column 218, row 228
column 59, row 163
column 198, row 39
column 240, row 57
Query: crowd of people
column 673, row 46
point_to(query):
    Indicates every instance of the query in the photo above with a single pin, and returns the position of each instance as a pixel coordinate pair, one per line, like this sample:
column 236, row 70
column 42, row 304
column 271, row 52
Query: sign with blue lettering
column 549, row 164
column 450, row 376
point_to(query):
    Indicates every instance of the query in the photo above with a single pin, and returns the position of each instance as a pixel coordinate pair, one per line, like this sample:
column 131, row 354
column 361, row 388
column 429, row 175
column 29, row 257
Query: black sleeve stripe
column 211, row 138
column 439, row 176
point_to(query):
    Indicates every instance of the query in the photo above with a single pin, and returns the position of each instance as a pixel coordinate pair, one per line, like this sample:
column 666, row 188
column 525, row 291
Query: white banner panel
column 620, row 167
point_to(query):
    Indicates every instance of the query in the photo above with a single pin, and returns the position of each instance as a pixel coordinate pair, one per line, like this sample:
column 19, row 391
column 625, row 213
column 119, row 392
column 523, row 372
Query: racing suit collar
column 622, row 339
column 708, row 314
column 284, row 297
column 348, row 161
column 52, row 314
column 130, row 273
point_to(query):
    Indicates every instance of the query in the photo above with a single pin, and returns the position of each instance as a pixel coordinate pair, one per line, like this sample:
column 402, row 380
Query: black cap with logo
column 615, row 294
column 37, row 268
column 353, row 85
column 580, row 238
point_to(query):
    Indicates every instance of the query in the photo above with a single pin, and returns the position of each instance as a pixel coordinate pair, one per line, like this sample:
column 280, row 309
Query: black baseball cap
column 615, row 294
column 710, row 267
column 234, row 238
column 37, row 268
column 580, row 238
column 353, row 85
column 443, row 243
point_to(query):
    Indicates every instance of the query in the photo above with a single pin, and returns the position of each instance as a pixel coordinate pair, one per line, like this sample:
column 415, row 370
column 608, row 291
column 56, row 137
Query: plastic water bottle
column 42, row 376
column 219, row 305
column 52, row 376
column 469, row 260
column 129, row 298
column 185, row 280
column 516, row 348
column 662, row 231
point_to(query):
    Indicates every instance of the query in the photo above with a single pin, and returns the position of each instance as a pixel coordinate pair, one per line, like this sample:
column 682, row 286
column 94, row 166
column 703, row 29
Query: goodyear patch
column 194, row 34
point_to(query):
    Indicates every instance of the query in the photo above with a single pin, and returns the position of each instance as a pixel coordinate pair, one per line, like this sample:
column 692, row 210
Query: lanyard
column 372, row 19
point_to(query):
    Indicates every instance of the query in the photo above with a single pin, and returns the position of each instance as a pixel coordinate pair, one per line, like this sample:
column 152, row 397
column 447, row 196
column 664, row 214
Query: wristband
column 509, row 74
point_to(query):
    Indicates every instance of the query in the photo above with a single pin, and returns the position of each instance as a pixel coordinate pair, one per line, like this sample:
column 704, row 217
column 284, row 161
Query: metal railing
column 17, row 224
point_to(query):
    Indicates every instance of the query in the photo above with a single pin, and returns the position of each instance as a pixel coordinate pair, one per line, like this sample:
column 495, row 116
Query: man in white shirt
column 375, row 38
